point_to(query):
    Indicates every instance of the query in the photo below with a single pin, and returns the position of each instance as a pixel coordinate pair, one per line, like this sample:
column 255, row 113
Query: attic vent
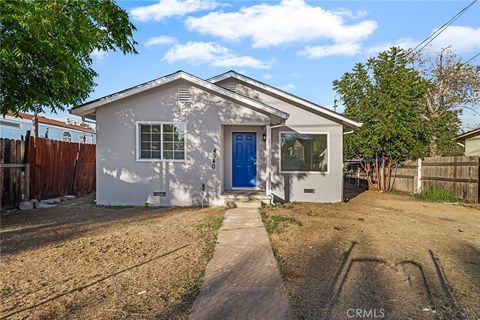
column 308, row 190
column 230, row 86
column 184, row 94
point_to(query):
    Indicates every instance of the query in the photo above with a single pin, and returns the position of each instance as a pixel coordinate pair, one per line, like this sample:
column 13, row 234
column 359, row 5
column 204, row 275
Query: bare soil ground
column 80, row 261
column 387, row 255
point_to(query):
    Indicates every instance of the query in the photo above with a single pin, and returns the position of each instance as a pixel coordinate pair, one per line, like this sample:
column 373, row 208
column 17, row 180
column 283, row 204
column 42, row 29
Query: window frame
column 298, row 132
column 161, row 123
column 18, row 124
column 63, row 136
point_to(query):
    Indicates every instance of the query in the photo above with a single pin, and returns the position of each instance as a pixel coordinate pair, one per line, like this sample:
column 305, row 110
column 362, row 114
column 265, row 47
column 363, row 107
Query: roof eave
column 89, row 108
column 232, row 74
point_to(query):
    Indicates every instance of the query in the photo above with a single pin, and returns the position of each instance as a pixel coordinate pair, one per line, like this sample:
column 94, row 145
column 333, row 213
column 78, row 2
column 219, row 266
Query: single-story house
column 15, row 126
column 182, row 140
column 471, row 141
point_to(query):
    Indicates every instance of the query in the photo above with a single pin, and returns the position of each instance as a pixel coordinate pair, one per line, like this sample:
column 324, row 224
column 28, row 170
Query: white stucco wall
column 289, row 186
column 472, row 146
column 121, row 180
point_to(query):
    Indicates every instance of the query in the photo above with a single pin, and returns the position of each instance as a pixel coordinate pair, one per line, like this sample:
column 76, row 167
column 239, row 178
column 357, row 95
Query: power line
column 437, row 32
column 478, row 54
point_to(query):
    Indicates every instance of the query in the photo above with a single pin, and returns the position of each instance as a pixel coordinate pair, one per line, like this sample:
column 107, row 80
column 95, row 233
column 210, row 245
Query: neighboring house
column 182, row 140
column 471, row 141
column 12, row 127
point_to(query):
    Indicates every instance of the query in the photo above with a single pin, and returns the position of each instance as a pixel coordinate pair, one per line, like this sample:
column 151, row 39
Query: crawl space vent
column 184, row 94
column 159, row 193
column 308, row 190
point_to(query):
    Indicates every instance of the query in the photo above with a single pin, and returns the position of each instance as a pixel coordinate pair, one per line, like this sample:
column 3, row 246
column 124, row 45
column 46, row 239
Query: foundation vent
column 184, row 94
column 308, row 190
column 159, row 194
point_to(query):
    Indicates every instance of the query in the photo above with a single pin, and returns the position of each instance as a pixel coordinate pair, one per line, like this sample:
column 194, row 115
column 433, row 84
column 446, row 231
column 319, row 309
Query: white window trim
column 137, row 141
column 300, row 172
column 63, row 136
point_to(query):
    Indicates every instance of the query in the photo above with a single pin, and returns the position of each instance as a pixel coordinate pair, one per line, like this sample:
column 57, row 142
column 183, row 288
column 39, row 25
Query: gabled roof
column 89, row 108
column 53, row 122
column 469, row 134
column 308, row 105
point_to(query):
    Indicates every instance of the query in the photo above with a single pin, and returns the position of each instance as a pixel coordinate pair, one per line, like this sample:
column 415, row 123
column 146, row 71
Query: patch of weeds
column 147, row 222
column 72, row 307
column 437, row 195
column 6, row 291
column 278, row 223
column 282, row 263
column 193, row 288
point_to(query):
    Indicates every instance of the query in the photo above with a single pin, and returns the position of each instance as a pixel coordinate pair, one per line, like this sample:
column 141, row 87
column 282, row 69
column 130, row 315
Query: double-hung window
column 303, row 152
column 161, row 141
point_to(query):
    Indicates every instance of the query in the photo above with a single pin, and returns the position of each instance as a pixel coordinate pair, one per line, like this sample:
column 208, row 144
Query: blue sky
column 298, row 46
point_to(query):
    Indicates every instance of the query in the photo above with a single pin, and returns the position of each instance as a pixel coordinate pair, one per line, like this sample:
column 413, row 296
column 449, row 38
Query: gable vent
column 232, row 86
column 184, row 94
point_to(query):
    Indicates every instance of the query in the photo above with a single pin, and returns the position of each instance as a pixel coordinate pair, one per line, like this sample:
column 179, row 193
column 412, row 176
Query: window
column 303, row 152
column 10, row 124
column 161, row 141
column 67, row 136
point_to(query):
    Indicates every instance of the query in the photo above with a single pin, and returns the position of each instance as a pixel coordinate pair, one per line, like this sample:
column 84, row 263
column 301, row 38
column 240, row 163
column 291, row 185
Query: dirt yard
column 379, row 256
column 79, row 261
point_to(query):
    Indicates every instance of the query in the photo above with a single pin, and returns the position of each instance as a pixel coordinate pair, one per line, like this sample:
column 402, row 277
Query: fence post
column 419, row 175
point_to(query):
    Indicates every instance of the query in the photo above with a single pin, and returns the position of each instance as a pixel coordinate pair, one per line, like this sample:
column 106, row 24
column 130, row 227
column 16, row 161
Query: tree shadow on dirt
column 346, row 283
column 29, row 230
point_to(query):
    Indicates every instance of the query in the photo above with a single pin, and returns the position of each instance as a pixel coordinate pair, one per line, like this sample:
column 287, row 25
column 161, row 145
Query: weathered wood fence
column 460, row 175
column 42, row 168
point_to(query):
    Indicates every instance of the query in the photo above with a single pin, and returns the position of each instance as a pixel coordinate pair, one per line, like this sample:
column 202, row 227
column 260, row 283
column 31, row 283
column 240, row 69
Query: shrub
column 436, row 194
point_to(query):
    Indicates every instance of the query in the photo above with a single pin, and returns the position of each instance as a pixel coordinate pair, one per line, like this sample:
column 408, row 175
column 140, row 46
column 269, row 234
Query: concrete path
column 242, row 281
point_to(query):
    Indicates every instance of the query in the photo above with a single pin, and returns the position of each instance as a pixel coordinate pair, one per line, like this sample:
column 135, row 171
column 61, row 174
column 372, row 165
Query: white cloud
column 460, row 39
column 98, row 54
column 170, row 8
column 344, row 49
column 405, row 43
column 211, row 53
column 267, row 76
column 290, row 21
column 160, row 40
column 288, row 87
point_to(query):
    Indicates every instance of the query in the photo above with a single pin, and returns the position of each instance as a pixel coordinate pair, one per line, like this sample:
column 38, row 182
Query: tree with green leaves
column 385, row 95
column 454, row 87
column 46, row 50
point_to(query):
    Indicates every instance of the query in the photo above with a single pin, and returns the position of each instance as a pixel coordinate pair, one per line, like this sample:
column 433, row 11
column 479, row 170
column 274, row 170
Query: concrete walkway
column 242, row 281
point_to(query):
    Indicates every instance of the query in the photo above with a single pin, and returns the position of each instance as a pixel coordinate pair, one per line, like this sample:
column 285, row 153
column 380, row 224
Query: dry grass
column 79, row 261
column 413, row 259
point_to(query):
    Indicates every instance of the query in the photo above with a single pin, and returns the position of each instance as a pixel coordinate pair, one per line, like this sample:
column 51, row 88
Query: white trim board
column 90, row 107
column 303, row 172
column 310, row 106
column 137, row 142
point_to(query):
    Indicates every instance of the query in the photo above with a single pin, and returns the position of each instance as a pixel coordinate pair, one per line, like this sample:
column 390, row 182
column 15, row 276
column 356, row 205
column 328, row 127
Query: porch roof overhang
column 88, row 110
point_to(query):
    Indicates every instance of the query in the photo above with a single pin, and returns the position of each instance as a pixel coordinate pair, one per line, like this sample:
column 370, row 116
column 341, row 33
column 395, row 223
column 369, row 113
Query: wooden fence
column 42, row 168
column 460, row 175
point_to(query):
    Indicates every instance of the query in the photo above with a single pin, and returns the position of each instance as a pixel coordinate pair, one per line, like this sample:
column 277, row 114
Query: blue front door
column 244, row 159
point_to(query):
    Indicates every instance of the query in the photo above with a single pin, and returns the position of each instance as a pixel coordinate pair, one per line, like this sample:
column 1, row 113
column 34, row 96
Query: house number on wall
column 214, row 157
